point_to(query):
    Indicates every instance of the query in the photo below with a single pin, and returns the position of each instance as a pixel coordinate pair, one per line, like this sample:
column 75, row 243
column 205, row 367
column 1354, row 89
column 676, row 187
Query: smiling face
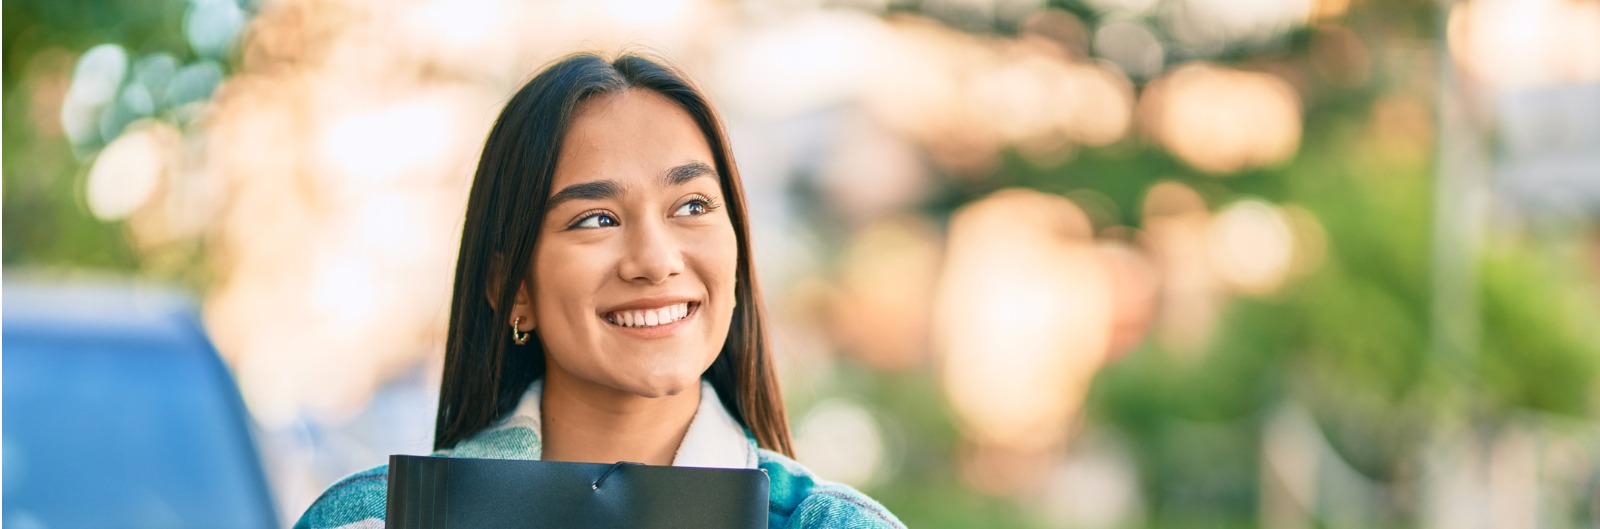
column 633, row 275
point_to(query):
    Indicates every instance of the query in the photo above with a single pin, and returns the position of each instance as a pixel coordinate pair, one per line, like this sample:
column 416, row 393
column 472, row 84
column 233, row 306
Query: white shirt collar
column 714, row 438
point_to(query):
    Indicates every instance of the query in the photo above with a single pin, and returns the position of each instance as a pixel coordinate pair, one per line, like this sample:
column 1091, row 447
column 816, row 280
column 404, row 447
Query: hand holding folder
column 428, row 492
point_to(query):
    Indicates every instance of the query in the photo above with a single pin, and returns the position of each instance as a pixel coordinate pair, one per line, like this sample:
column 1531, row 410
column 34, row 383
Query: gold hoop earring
column 517, row 335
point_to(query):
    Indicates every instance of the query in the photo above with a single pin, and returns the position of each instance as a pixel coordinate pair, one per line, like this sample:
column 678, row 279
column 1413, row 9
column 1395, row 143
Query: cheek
column 721, row 255
column 562, row 293
column 722, row 275
column 713, row 253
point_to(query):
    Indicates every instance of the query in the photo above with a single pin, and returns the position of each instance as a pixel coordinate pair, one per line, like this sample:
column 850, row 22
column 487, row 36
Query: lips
column 661, row 315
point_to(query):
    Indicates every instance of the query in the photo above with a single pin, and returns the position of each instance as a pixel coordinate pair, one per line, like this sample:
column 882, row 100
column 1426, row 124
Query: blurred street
column 1031, row 263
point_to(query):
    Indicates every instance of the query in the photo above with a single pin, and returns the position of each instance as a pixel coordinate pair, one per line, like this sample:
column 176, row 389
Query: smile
column 655, row 317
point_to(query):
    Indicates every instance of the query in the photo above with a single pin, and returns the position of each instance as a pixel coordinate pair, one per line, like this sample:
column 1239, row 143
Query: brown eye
column 599, row 219
column 697, row 206
column 692, row 208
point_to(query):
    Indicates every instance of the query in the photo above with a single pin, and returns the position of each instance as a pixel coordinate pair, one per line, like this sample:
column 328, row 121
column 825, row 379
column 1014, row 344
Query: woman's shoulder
column 361, row 498
column 355, row 502
column 798, row 498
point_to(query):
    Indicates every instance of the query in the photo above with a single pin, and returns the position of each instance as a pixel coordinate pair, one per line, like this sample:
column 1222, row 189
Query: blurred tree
column 47, row 221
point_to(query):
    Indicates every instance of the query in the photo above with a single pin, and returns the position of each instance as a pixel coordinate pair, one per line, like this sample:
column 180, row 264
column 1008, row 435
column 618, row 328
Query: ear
column 521, row 305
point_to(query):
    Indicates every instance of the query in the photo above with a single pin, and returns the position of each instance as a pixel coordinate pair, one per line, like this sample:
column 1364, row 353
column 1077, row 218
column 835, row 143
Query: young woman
column 605, row 305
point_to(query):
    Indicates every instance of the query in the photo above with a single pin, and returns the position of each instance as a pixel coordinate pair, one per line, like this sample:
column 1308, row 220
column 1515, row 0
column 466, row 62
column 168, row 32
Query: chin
column 664, row 384
column 666, row 387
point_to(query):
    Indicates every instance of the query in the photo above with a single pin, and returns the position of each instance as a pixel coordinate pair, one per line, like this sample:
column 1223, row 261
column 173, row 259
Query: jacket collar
column 714, row 438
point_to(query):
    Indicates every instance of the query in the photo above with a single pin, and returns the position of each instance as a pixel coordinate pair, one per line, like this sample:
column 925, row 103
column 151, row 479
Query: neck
column 589, row 423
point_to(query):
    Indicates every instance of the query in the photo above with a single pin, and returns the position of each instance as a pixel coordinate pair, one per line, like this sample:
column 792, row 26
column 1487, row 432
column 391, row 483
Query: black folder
column 428, row 492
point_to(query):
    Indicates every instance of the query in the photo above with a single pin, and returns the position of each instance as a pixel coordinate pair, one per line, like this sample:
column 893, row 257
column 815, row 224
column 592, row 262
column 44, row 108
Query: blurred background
column 1068, row 263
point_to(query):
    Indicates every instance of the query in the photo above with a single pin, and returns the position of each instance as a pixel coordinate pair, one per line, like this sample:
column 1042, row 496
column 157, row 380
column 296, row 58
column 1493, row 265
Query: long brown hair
column 485, row 374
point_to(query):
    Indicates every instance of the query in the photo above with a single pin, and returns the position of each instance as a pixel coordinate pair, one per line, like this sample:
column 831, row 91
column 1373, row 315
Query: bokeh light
column 882, row 312
column 1097, row 263
column 1522, row 44
column 1177, row 221
column 129, row 171
column 1221, row 120
column 1252, row 246
column 842, row 440
column 1023, row 318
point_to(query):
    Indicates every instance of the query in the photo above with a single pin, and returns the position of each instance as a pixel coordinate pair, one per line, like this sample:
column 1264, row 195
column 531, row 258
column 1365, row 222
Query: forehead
column 631, row 137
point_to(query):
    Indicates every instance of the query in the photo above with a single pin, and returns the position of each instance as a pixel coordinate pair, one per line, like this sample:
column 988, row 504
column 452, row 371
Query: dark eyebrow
column 596, row 190
column 688, row 171
column 604, row 189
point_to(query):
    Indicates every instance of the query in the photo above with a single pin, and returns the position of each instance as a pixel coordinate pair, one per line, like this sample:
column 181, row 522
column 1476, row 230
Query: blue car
column 118, row 413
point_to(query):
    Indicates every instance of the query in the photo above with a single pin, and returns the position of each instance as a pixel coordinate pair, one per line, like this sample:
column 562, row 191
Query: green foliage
column 46, row 219
column 1354, row 341
column 1539, row 332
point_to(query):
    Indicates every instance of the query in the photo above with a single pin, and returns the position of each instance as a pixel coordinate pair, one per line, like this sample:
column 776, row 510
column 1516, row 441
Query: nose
column 651, row 254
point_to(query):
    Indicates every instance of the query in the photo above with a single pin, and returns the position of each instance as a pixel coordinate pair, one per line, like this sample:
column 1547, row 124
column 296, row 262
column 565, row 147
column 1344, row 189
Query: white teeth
column 650, row 317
